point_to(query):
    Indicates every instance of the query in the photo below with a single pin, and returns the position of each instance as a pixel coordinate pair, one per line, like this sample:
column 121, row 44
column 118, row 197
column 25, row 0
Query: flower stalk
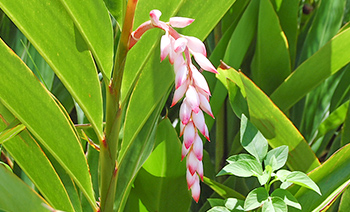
column 110, row 144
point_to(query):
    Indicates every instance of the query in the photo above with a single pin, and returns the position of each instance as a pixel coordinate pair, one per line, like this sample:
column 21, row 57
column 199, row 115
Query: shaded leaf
column 255, row 198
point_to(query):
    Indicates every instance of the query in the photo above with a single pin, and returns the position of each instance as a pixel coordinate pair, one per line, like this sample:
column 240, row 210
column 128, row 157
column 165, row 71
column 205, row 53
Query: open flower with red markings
column 190, row 84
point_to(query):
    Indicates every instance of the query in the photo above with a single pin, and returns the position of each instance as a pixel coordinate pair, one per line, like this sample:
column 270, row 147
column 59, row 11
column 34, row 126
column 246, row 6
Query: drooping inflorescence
column 189, row 82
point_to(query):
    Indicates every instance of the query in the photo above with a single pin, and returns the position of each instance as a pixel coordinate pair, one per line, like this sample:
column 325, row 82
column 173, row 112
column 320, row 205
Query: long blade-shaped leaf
column 32, row 104
column 52, row 32
column 30, row 157
column 16, row 195
column 325, row 62
column 94, row 24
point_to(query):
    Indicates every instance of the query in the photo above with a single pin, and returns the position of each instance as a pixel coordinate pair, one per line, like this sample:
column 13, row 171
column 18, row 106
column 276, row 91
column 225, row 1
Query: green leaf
column 235, row 158
column 333, row 121
column 238, row 104
column 161, row 183
column 14, row 191
column 279, row 154
column 117, row 9
column 219, row 209
column 325, row 25
column 94, row 25
column 287, row 197
column 275, row 204
column 11, row 132
column 272, row 123
column 302, row 179
column 222, row 190
column 252, row 140
column 67, row 54
column 135, row 156
column 265, row 176
column 282, row 174
column 20, row 87
column 271, row 64
column 234, row 204
column 216, row 202
column 255, row 198
column 345, row 201
column 325, row 62
column 242, row 168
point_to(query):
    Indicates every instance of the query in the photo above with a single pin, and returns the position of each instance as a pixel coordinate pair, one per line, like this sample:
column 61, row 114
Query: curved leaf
column 52, row 32
column 325, row 62
column 33, row 105
column 13, row 191
column 94, row 24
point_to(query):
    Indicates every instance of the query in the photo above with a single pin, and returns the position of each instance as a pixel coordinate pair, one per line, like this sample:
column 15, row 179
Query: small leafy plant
column 266, row 166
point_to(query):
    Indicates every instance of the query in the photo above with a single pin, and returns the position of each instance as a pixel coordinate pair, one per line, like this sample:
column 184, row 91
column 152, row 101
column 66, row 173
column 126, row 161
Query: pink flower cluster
column 189, row 82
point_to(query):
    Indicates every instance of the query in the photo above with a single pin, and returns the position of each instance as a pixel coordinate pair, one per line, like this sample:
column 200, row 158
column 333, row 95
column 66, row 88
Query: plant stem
column 110, row 144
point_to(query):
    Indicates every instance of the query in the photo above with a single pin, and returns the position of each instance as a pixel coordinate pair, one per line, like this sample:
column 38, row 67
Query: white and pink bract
column 189, row 82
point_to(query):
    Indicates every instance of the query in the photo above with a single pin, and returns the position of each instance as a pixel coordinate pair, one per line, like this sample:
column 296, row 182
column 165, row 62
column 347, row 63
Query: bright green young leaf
column 282, row 174
column 280, row 154
column 9, row 133
column 94, row 24
column 264, row 177
column 242, row 168
column 302, row 179
column 271, row 62
column 287, row 197
column 219, row 209
column 252, row 140
column 234, row 204
column 222, row 190
column 30, row 157
column 325, row 62
column 16, row 195
column 161, row 183
column 275, row 204
column 33, row 105
column 52, row 32
column 255, row 198
column 235, row 158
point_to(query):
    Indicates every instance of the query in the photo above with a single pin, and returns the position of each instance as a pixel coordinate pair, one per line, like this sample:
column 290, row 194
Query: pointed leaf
column 287, row 197
column 275, row 204
column 255, row 198
column 325, row 62
column 280, row 154
column 13, row 191
column 222, row 190
column 302, row 179
column 9, row 133
column 242, row 168
column 94, row 24
column 33, row 105
column 252, row 140
column 67, row 54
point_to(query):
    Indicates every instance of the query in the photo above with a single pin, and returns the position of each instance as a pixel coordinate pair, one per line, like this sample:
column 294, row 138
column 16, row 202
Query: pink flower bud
column 200, row 169
column 196, row 189
column 179, row 93
column 180, row 45
column 155, row 14
column 199, row 121
column 164, row 47
column 178, row 62
column 196, row 45
column 180, row 22
column 180, row 76
column 184, row 151
column 204, row 104
column 198, row 147
column 185, row 112
column 203, row 62
column 199, row 80
column 192, row 162
column 192, row 98
column 189, row 134
column 190, row 178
